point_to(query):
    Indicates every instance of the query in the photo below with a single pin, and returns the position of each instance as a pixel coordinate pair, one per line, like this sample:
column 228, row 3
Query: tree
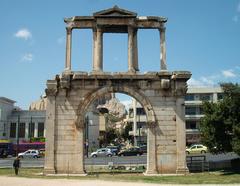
column 220, row 127
column 125, row 133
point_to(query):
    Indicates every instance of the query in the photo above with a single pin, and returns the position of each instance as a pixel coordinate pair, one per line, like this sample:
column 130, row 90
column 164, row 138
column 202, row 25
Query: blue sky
column 201, row 36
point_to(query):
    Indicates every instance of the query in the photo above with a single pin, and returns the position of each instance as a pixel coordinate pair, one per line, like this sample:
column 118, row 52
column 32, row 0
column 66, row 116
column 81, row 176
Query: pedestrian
column 16, row 165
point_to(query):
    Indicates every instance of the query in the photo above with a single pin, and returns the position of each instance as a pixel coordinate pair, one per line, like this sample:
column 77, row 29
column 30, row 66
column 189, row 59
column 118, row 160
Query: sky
column 202, row 36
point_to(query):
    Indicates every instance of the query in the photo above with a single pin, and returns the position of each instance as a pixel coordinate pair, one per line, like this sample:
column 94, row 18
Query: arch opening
column 102, row 129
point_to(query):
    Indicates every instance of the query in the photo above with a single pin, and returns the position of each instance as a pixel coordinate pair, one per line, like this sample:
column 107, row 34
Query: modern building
column 6, row 108
column 137, row 118
column 193, row 109
column 31, row 123
column 28, row 123
column 193, row 114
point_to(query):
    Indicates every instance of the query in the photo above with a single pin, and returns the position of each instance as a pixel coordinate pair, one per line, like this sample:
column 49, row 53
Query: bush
column 235, row 163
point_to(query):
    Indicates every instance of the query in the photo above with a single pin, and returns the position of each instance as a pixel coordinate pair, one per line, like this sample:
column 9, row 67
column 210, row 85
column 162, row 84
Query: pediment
column 115, row 12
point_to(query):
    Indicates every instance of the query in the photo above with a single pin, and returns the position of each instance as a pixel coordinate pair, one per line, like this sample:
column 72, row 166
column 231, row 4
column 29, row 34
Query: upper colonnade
column 115, row 20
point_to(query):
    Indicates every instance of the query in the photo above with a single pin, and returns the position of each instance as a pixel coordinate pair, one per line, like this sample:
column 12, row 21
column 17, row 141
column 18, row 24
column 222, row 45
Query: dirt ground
column 19, row 181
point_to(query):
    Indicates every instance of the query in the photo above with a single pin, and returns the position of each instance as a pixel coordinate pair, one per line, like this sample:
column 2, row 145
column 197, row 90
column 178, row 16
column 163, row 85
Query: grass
column 218, row 177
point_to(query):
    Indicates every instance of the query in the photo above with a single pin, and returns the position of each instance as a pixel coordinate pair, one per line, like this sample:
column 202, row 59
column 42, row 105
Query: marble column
column 181, row 136
column 68, row 48
column 98, row 50
column 151, row 149
column 36, row 130
column 131, row 49
column 163, row 48
column 26, row 130
column 94, row 49
column 135, row 50
column 79, row 151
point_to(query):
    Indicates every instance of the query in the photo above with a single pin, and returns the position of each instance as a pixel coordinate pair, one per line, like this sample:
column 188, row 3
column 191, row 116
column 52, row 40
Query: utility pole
column 17, row 134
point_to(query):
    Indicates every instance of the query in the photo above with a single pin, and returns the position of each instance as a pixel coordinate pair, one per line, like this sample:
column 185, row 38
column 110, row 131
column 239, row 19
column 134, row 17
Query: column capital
column 162, row 29
column 69, row 30
column 130, row 29
column 99, row 29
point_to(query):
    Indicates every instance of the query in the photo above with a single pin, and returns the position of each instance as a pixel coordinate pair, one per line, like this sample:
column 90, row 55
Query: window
column 190, row 110
column 31, row 128
column 140, row 111
column 220, row 96
column 201, row 110
column 205, row 97
column 191, row 125
column 189, row 97
column 131, row 113
column 21, row 130
column 40, row 129
column 13, row 130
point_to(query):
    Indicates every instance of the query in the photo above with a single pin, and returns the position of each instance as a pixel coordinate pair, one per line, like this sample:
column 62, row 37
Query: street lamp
column 86, row 134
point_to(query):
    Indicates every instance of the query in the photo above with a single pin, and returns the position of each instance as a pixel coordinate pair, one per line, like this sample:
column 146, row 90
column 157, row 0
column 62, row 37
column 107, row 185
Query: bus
column 6, row 148
column 24, row 146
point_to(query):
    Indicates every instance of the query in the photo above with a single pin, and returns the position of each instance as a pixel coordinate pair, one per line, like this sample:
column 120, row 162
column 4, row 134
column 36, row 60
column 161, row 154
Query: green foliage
column 220, row 127
column 125, row 133
column 40, row 139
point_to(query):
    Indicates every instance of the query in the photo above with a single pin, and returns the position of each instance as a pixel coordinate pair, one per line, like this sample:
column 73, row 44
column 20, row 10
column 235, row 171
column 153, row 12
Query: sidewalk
column 18, row 181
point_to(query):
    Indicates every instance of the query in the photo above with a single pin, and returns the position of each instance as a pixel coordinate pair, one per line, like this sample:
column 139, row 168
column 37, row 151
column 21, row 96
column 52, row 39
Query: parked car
column 101, row 153
column 133, row 151
column 42, row 152
column 114, row 149
column 143, row 148
column 196, row 148
column 29, row 154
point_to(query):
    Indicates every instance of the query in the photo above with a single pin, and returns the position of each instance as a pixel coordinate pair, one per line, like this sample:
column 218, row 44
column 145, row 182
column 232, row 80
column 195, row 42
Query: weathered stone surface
column 160, row 93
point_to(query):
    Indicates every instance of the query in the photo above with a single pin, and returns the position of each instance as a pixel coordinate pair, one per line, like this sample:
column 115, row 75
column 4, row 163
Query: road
column 126, row 160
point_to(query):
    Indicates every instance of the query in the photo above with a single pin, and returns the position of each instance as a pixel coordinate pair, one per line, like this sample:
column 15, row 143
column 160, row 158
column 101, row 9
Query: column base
column 67, row 71
column 132, row 71
column 182, row 171
column 97, row 72
column 150, row 172
column 48, row 171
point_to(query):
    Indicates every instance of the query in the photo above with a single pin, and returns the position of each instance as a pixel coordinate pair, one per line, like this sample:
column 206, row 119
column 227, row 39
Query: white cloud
column 210, row 80
column 27, row 57
column 194, row 83
column 126, row 103
column 204, row 81
column 235, row 18
column 23, row 34
column 228, row 73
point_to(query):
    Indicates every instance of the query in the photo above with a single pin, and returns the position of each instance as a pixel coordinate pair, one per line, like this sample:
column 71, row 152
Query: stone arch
column 91, row 96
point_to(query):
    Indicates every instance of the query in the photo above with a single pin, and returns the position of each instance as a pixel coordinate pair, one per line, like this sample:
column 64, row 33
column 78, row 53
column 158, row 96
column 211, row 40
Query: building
column 137, row 117
column 6, row 108
column 28, row 123
column 193, row 109
column 31, row 123
column 193, row 114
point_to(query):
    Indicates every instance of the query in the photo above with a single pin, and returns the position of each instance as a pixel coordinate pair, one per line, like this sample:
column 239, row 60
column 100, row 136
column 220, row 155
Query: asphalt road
column 126, row 160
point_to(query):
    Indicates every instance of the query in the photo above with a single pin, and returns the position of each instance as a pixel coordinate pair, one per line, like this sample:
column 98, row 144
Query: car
column 114, row 149
column 42, row 152
column 31, row 153
column 133, row 151
column 143, row 148
column 103, row 152
column 196, row 148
